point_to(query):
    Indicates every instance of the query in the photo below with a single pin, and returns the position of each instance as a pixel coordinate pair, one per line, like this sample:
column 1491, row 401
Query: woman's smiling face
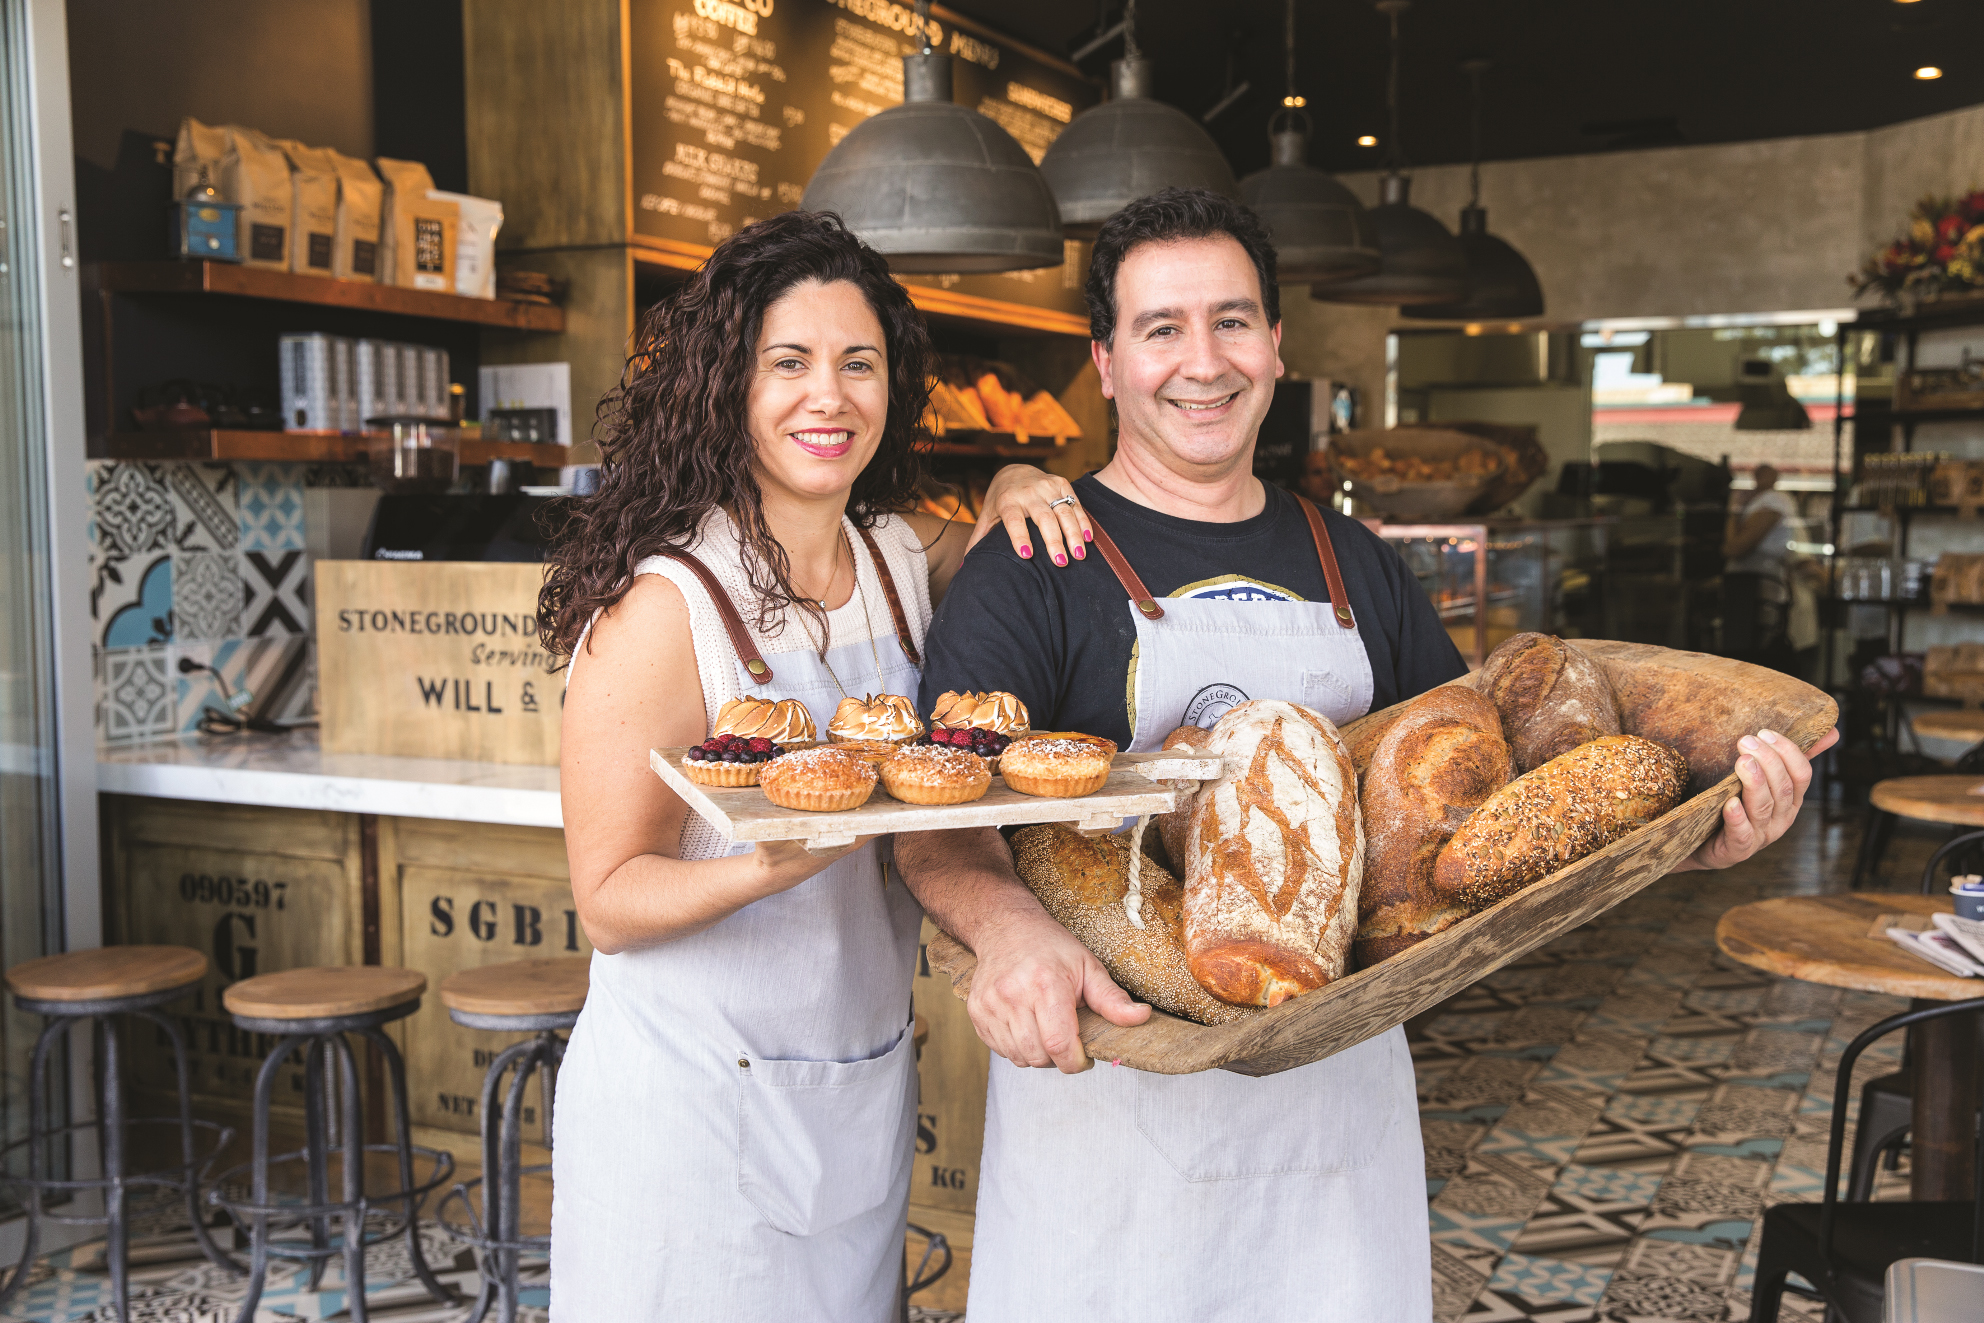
column 819, row 394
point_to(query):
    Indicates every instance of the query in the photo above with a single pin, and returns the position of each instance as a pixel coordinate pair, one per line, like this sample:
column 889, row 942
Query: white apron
column 736, row 1110
column 1299, row 1197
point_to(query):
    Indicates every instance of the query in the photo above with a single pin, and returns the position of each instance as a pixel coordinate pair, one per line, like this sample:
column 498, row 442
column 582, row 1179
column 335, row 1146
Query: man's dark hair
column 1164, row 217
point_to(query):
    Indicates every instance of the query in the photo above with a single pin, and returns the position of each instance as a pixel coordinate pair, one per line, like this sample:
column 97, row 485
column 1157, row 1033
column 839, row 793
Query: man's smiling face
column 1193, row 362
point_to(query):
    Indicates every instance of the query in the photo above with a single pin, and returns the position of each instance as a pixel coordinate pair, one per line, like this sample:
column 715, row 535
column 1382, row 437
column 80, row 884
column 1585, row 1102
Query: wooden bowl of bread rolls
column 1494, row 813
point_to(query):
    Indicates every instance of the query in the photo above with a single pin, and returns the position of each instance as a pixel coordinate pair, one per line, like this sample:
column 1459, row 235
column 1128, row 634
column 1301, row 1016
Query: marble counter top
column 292, row 771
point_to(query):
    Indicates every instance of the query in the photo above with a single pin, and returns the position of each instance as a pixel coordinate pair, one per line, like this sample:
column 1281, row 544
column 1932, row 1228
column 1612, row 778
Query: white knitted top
column 717, row 546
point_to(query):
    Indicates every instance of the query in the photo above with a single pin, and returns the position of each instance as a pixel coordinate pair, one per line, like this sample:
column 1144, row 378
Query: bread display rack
column 1697, row 704
column 1139, row 783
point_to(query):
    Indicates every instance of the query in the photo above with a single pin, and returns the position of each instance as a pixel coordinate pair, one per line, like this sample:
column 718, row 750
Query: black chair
column 1844, row 1249
column 1888, row 1102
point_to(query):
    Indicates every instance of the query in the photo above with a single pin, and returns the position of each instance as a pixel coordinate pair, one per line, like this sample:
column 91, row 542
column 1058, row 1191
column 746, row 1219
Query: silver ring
column 1065, row 500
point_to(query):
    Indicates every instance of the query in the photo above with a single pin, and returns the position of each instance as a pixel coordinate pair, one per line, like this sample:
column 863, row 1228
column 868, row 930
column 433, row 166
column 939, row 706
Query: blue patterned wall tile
column 137, row 695
column 277, row 587
column 132, row 508
column 203, row 503
column 134, row 605
column 270, row 499
column 270, row 677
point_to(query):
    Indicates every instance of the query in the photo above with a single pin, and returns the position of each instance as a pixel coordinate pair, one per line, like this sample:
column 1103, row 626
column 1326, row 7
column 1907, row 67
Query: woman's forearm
column 652, row 899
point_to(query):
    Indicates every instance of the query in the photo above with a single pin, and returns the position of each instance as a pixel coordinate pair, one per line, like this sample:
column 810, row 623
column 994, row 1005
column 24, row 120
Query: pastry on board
column 785, row 721
column 934, row 774
column 729, row 760
column 1057, row 764
column 824, row 779
column 982, row 723
column 887, row 718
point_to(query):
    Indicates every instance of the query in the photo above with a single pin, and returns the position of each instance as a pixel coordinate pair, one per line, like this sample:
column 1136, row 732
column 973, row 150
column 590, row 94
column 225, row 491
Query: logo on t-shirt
column 1237, row 588
column 1211, row 703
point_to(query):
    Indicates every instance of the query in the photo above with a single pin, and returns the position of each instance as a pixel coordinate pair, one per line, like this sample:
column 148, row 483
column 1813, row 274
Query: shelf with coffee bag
column 1694, row 704
column 222, row 444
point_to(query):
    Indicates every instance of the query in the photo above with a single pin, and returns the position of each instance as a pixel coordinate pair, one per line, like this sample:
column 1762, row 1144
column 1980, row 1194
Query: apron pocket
column 1329, row 695
column 819, row 1142
column 1333, row 1116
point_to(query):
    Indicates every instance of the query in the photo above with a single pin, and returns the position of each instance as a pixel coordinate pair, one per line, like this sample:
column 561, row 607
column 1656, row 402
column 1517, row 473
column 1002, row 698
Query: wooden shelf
column 298, row 448
column 287, row 287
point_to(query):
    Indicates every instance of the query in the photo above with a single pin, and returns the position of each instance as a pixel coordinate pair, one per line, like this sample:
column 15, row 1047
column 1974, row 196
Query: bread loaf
column 1173, row 826
column 1552, row 697
column 1556, row 815
column 1081, row 881
column 1438, row 761
column 1273, row 858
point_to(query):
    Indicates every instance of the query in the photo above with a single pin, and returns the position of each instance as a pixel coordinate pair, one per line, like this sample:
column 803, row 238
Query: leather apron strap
column 1141, row 599
column 895, row 598
column 740, row 637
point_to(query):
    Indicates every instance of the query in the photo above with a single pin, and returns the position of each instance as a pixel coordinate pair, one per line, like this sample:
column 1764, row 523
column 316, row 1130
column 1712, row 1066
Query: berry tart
column 1057, row 764
column 820, row 780
column 879, row 718
column 729, row 760
column 933, row 774
column 785, row 722
column 984, row 723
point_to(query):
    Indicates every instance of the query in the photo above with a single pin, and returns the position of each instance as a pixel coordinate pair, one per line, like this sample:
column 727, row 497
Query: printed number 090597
column 204, row 889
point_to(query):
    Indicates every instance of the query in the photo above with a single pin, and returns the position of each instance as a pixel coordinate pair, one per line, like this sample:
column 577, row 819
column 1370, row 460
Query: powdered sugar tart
column 785, row 721
column 1057, row 764
column 933, row 774
column 890, row 718
column 819, row 780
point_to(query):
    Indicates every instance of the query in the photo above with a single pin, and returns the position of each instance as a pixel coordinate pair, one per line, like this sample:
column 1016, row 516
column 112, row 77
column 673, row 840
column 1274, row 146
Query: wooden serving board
column 1139, row 783
column 1694, row 702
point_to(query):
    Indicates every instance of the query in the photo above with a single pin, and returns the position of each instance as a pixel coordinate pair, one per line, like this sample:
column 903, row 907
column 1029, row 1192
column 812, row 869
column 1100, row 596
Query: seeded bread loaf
column 1438, row 761
column 1273, row 858
column 1081, row 881
column 1551, row 697
column 1556, row 815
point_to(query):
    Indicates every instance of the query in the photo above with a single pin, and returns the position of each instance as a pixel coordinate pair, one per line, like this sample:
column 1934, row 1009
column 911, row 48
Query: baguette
column 1438, row 761
column 1551, row 697
column 1273, row 858
column 1081, row 882
column 1556, row 815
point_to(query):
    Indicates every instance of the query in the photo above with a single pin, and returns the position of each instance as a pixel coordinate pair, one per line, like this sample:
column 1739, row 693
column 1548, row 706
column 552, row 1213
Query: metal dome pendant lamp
column 1418, row 260
column 1128, row 147
column 1321, row 234
column 938, row 188
column 1504, row 286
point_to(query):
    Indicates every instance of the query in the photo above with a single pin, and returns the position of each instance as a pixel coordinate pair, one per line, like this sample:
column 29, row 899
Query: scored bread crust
column 1081, row 882
column 1273, row 858
column 1552, row 817
column 1552, row 697
column 1439, row 760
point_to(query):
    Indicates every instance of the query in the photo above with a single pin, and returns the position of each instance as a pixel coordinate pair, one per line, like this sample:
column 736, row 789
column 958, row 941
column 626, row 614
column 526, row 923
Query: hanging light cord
column 923, row 23
column 1394, row 152
column 1475, row 68
column 1289, row 41
column 1130, row 51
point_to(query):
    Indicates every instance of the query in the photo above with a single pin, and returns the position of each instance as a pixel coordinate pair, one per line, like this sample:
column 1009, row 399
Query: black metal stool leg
column 37, row 1144
column 343, row 1071
column 509, row 1259
column 258, row 1235
column 116, row 1195
column 316, row 1148
column 403, row 1142
column 215, row 1255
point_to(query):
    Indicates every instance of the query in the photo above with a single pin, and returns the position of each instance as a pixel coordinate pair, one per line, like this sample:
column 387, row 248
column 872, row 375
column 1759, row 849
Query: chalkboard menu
column 736, row 102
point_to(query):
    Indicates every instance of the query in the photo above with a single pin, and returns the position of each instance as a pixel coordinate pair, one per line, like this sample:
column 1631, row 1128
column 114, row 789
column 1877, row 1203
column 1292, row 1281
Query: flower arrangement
column 1942, row 252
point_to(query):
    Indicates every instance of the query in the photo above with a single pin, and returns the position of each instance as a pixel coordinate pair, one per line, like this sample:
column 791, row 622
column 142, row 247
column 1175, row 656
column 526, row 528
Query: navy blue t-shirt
column 1062, row 639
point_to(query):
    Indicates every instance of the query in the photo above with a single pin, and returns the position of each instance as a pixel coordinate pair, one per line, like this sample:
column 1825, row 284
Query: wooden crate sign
column 950, row 1110
column 266, row 890
column 435, row 660
column 459, row 919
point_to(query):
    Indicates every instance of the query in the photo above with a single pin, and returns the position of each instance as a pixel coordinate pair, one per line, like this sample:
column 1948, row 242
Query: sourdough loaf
column 1552, row 697
column 1556, row 815
column 1273, row 857
column 1081, row 881
column 1173, row 826
column 1438, row 761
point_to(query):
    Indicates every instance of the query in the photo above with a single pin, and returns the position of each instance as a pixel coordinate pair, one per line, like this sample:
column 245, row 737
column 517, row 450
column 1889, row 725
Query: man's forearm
column 964, row 880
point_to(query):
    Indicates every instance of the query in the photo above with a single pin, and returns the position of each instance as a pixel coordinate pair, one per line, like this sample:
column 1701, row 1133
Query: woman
column 734, row 1113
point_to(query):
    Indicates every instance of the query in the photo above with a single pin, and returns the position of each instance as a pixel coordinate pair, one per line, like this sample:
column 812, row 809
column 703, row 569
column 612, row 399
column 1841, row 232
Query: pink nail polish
column 1080, row 554
column 1060, row 560
column 1087, row 536
column 1026, row 552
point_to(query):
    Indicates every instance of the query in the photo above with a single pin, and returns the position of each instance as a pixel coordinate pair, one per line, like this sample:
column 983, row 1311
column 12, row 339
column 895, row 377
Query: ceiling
column 1566, row 76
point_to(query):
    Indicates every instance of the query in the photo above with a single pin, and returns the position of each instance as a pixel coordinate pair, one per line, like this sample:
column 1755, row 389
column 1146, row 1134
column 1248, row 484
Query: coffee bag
column 405, row 183
column 255, row 174
column 200, row 147
column 355, row 242
column 313, row 179
column 475, row 238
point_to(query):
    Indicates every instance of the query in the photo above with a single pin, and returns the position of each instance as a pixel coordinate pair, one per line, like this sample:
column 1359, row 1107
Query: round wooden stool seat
column 1965, row 724
column 323, row 992
column 1956, row 800
column 107, row 973
column 553, row 986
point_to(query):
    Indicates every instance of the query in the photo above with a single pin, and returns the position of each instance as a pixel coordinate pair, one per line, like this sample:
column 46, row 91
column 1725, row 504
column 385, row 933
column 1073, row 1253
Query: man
column 1756, row 586
column 1119, row 1194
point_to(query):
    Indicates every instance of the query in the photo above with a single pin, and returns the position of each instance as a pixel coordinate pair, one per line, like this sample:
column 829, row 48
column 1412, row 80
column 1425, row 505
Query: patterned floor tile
column 1549, row 1280
column 1635, row 1296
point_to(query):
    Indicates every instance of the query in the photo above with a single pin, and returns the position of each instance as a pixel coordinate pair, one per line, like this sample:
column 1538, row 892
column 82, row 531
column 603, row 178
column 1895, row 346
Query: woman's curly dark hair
column 675, row 439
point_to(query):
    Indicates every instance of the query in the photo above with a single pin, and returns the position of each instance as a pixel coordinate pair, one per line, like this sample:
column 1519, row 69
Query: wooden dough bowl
column 1701, row 705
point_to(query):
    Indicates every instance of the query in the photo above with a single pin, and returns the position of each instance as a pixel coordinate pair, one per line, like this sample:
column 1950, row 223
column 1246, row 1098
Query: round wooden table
column 1957, row 800
column 1829, row 940
column 1963, row 723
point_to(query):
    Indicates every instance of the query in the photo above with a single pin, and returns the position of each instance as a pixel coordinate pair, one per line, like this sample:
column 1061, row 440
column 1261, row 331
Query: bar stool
column 95, row 987
column 313, row 1009
column 522, row 996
